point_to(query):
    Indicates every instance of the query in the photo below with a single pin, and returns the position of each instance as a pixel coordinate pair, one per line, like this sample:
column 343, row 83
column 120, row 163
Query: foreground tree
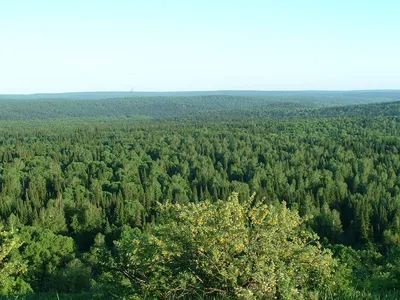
column 225, row 249
column 10, row 266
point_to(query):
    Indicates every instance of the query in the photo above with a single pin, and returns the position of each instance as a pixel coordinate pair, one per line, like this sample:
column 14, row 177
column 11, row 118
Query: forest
column 179, row 196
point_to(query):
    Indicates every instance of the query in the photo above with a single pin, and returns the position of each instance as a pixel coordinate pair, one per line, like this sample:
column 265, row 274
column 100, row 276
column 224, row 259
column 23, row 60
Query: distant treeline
column 361, row 94
column 236, row 105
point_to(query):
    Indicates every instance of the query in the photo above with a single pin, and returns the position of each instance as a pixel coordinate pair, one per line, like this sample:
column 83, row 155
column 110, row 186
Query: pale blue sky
column 149, row 45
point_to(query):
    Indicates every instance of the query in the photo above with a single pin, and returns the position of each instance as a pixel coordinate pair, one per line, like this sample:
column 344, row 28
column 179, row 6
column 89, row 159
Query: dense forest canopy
column 275, row 195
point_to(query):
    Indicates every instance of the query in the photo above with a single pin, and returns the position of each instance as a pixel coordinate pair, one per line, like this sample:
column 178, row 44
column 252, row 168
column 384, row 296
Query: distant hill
column 293, row 110
column 192, row 104
column 367, row 94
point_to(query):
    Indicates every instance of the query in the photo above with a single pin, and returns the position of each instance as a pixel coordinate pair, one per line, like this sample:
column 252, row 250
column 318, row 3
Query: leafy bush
column 225, row 249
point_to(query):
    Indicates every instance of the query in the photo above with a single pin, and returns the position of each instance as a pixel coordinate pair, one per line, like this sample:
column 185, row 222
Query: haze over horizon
column 201, row 92
column 155, row 46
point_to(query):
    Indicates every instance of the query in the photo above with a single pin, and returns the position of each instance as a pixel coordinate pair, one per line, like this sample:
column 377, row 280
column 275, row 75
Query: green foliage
column 225, row 249
column 11, row 265
column 71, row 187
column 51, row 262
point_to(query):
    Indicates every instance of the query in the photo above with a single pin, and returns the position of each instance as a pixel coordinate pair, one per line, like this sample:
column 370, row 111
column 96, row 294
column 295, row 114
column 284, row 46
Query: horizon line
column 200, row 91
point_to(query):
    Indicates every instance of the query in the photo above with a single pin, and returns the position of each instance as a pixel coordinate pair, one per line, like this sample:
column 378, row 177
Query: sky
column 83, row 45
